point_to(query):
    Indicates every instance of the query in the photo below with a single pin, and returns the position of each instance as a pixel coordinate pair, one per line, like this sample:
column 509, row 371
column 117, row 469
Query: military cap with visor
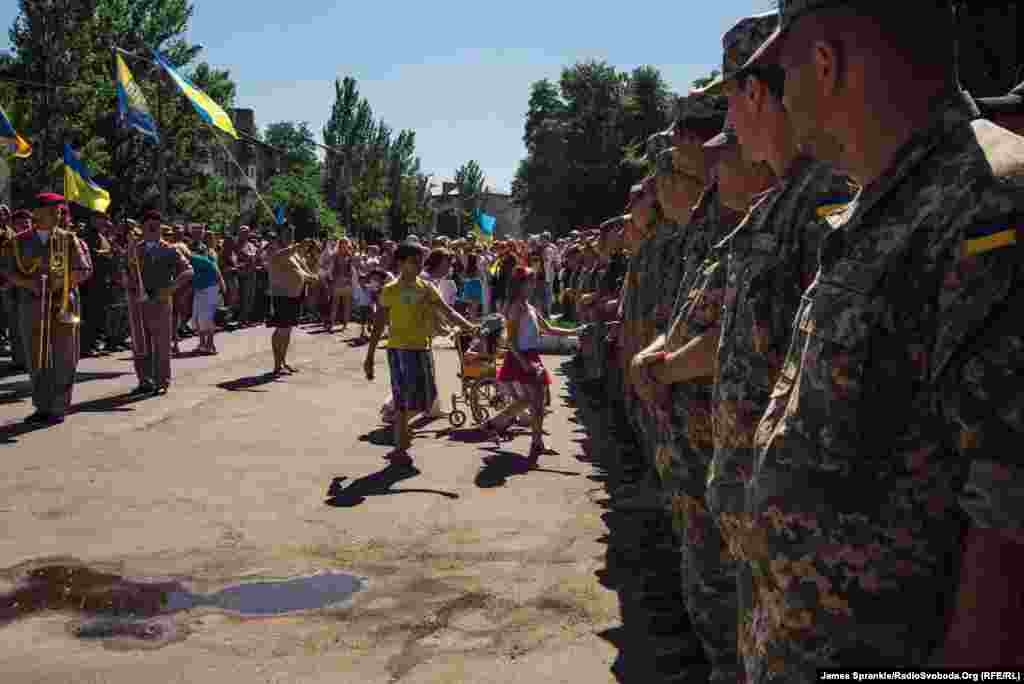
column 1011, row 103
column 790, row 11
column 739, row 44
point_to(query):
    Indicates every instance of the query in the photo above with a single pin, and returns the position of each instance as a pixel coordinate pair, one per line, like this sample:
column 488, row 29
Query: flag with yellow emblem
column 211, row 112
column 79, row 187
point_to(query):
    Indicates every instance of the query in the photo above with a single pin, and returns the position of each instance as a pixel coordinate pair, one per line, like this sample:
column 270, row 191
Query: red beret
column 49, row 199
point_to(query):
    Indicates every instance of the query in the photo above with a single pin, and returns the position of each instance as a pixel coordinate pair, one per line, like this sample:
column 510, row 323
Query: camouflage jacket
column 684, row 417
column 770, row 259
column 671, row 265
column 902, row 382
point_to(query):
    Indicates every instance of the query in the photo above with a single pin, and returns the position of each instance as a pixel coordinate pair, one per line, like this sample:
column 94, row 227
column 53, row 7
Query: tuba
column 57, row 275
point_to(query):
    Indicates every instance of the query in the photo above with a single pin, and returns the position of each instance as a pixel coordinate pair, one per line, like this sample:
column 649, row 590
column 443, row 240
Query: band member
column 157, row 272
column 46, row 265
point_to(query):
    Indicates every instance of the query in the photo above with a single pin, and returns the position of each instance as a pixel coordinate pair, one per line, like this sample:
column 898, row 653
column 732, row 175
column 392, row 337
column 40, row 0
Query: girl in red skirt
column 523, row 372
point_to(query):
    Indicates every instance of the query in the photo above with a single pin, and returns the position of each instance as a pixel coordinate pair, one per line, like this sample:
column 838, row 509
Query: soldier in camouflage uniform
column 677, row 185
column 680, row 371
column 769, row 260
column 901, row 391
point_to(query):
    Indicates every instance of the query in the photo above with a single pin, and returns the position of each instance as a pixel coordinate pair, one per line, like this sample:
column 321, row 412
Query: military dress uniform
column 902, row 382
column 684, row 446
column 160, row 264
column 53, row 366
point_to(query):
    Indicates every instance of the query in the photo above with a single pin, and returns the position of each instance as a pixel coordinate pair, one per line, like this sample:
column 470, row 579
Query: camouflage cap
column 724, row 139
column 611, row 225
column 656, row 144
column 1011, row 103
column 791, row 10
column 738, row 45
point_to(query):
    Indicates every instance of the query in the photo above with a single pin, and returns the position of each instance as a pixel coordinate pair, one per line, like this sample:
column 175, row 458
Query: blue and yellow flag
column 210, row 111
column 484, row 228
column 10, row 141
column 131, row 103
column 79, row 187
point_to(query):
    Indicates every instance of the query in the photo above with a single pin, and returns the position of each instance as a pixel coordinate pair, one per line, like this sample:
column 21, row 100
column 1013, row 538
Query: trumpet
column 59, row 272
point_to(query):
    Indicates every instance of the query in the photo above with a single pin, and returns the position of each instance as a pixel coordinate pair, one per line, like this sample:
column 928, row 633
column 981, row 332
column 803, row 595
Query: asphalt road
column 477, row 569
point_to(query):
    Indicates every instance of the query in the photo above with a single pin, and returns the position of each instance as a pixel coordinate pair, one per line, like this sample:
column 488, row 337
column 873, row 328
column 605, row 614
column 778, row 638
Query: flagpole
column 241, row 171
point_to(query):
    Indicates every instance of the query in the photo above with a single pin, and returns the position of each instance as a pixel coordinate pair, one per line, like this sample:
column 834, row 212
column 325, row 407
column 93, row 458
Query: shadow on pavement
column 249, row 384
column 380, row 483
column 655, row 642
column 22, row 389
column 382, row 436
column 10, row 433
column 501, row 465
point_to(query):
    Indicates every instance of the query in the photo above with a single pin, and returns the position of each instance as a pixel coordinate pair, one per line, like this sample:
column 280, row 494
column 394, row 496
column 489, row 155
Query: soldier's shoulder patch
column 832, row 206
column 981, row 239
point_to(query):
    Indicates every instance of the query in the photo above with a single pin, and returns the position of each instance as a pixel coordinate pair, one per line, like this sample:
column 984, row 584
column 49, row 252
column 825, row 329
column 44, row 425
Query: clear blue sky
column 458, row 73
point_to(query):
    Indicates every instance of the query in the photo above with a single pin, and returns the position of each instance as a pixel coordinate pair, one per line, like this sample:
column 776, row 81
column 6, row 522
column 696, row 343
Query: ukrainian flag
column 10, row 140
column 79, row 187
column 209, row 111
column 131, row 103
column 485, row 225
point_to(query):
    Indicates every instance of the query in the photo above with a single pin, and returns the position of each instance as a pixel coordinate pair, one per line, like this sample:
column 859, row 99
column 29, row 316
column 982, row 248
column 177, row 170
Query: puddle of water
column 288, row 596
column 119, row 607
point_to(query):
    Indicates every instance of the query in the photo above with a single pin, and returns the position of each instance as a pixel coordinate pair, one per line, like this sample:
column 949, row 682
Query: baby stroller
column 480, row 356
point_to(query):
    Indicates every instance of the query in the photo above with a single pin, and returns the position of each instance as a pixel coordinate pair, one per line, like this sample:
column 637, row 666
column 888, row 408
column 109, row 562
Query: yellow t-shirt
column 411, row 313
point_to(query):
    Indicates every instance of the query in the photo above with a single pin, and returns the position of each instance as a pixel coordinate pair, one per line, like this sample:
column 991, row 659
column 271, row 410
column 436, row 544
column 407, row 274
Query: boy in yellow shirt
column 409, row 306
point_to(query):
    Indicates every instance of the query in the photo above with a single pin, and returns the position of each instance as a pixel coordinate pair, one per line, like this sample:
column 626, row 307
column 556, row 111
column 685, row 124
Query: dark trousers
column 10, row 304
column 95, row 302
column 246, row 297
column 51, row 386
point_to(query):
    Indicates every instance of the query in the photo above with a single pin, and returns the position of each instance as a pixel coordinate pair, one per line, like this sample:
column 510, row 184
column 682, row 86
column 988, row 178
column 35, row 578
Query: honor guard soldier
column 46, row 265
column 886, row 522
column 156, row 271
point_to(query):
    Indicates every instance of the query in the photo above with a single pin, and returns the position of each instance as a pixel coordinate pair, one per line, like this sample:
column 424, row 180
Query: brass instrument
column 59, row 274
column 138, row 336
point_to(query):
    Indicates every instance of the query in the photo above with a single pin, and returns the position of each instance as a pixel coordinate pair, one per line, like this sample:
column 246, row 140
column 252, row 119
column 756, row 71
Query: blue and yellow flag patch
column 833, row 205
column 987, row 238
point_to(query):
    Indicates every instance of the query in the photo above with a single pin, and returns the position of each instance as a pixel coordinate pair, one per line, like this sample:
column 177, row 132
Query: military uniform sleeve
column 981, row 347
column 707, row 296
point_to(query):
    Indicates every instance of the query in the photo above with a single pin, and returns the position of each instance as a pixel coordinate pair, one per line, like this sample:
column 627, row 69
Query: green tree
column 297, row 141
column 646, row 105
column 704, row 82
column 577, row 170
column 68, row 44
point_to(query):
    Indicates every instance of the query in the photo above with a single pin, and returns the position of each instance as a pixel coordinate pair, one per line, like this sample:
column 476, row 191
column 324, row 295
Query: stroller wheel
column 481, row 415
column 457, row 419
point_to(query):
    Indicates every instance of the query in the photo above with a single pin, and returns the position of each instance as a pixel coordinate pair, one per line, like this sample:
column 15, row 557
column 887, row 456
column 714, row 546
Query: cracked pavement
column 478, row 570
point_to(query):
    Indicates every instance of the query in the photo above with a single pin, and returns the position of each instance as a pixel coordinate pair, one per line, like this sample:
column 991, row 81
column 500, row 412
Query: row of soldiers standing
column 820, row 348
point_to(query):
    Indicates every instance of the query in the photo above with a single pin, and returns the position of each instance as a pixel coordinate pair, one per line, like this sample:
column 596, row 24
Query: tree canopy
column 580, row 135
